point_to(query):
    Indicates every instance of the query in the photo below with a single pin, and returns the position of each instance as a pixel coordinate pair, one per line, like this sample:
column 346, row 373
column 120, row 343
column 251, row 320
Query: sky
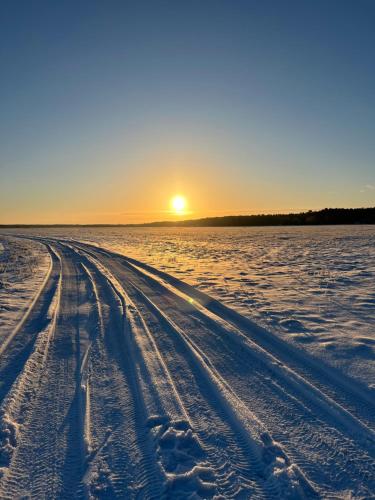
column 110, row 108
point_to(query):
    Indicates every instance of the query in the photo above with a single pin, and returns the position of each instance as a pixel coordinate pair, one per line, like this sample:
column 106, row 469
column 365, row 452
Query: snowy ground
column 126, row 382
column 23, row 267
column 313, row 286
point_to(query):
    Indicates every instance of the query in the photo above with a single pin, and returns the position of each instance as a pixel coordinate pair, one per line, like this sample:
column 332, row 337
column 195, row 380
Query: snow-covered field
column 313, row 286
column 23, row 267
column 124, row 381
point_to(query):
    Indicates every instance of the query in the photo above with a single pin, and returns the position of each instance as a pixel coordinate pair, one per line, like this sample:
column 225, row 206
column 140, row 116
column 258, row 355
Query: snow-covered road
column 124, row 382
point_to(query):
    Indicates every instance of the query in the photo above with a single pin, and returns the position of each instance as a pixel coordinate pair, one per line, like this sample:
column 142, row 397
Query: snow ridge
column 123, row 382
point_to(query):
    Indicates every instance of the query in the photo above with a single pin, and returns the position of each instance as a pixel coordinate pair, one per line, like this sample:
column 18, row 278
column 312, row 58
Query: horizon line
column 180, row 222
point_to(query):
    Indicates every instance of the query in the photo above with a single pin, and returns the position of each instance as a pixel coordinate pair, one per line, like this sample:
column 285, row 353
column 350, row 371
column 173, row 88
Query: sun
column 178, row 204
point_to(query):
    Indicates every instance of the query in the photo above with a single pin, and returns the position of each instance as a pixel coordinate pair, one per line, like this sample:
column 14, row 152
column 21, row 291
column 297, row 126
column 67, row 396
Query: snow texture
column 122, row 377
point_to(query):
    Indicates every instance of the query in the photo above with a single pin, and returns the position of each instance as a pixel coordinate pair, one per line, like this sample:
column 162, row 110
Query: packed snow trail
column 124, row 382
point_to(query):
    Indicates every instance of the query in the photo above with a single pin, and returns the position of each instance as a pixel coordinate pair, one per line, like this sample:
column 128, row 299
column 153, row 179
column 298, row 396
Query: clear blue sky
column 109, row 108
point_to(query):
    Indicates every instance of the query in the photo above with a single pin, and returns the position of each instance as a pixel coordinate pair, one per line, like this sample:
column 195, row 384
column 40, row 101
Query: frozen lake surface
column 313, row 285
column 119, row 379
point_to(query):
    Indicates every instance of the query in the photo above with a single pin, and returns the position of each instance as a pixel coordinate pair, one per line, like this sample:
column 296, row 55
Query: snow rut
column 237, row 460
column 123, row 382
column 173, row 458
column 319, row 434
column 350, row 394
column 119, row 458
column 16, row 349
column 46, row 459
column 15, row 406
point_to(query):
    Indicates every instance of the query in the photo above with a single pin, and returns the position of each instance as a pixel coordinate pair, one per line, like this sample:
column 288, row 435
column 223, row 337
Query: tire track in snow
column 138, row 387
column 333, row 447
column 351, row 394
column 118, row 450
column 241, row 468
column 16, row 405
column 204, row 316
column 15, row 351
column 172, row 446
column 256, row 458
column 47, row 458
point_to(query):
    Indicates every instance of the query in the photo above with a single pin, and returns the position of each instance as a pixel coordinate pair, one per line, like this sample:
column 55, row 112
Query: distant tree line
column 326, row 216
column 321, row 217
